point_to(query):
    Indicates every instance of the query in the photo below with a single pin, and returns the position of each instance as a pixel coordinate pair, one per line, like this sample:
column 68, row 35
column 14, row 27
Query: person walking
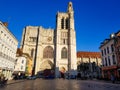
column 113, row 78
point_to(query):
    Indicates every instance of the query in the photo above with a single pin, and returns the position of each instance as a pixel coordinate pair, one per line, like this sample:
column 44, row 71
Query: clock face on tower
column 49, row 39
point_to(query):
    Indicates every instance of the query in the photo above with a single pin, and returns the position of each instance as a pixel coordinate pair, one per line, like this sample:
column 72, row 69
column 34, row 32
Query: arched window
column 67, row 24
column 48, row 52
column 64, row 53
column 62, row 23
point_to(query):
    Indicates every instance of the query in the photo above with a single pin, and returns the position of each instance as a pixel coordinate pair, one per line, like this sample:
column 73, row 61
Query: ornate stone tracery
column 64, row 53
column 48, row 52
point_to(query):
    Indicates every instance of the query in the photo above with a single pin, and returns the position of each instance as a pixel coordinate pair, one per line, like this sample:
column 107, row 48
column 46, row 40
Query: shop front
column 108, row 71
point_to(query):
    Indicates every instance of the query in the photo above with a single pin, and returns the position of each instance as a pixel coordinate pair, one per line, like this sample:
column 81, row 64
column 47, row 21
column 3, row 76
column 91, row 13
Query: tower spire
column 70, row 7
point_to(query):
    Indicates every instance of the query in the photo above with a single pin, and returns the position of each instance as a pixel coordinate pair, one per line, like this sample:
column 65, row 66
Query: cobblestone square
column 60, row 84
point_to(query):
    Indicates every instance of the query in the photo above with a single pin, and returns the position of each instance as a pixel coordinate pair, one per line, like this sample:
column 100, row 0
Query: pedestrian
column 112, row 78
column 68, row 76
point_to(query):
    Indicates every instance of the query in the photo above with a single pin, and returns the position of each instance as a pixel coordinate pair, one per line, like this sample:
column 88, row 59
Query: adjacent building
column 52, row 49
column 8, row 48
column 29, row 65
column 89, row 64
column 20, row 63
column 117, row 50
column 110, row 56
column 23, row 64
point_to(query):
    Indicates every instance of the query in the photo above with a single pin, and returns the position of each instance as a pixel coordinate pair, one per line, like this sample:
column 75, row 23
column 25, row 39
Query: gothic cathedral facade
column 52, row 49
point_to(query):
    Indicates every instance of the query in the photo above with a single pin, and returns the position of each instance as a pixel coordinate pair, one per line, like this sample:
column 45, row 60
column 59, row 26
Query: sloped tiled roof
column 88, row 54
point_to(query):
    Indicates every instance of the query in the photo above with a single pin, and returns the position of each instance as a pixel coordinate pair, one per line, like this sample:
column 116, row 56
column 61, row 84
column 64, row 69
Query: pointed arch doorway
column 47, row 67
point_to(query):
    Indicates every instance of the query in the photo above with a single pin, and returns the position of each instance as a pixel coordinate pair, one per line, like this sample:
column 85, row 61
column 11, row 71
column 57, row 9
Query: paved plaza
column 60, row 84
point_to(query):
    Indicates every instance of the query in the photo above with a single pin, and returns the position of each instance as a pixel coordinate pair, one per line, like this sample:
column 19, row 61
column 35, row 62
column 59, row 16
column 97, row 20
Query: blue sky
column 95, row 20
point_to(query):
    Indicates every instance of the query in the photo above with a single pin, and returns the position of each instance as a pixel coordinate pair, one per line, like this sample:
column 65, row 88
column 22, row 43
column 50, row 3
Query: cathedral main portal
column 47, row 68
column 46, row 65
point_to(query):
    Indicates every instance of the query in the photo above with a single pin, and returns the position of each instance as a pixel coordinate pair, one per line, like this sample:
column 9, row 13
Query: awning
column 109, row 68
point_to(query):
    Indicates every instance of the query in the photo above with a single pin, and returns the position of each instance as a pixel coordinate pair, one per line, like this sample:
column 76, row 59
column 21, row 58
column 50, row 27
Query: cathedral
column 52, row 49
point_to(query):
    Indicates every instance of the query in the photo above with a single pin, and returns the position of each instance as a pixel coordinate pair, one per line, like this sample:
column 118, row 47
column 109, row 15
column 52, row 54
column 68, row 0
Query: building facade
column 8, row 48
column 89, row 64
column 20, row 65
column 29, row 65
column 117, row 50
column 109, row 57
column 52, row 49
column 23, row 65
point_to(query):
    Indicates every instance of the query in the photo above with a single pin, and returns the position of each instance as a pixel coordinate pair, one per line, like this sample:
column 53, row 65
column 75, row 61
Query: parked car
column 72, row 76
column 40, row 76
column 31, row 77
column 49, row 77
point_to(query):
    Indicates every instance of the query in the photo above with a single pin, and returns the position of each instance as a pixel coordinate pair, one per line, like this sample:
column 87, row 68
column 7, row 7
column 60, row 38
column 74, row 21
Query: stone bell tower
column 65, row 46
